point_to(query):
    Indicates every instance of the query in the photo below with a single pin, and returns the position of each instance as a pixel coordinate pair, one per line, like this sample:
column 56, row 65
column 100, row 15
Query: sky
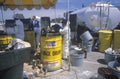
column 61, row 7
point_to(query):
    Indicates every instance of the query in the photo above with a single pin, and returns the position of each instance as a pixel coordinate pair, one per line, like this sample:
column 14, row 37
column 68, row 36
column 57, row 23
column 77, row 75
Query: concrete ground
column 88, row 69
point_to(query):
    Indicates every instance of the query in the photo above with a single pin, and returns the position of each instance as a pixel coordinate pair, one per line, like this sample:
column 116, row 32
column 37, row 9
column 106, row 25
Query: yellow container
column 116, row 38
column 51, row 52
column 105, row 38
column 5, row 39
column 30, row 37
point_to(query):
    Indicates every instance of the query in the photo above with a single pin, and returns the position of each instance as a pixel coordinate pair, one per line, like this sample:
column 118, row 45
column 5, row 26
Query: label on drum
column 52, row 63
column 53, row 53
column 51, row 44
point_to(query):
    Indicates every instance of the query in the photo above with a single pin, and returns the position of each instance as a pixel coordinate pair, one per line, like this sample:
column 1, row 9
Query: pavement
column 87, row 70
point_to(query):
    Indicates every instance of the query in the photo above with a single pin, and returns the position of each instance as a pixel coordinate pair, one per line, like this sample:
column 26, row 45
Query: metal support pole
column 68, row 35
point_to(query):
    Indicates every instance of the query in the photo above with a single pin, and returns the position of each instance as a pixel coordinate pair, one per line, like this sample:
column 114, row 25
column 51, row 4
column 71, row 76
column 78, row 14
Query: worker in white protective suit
column 66, row 38
column 18, row 28
column 36, row 27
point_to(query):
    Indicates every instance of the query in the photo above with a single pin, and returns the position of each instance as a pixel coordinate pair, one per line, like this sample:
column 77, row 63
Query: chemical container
column 105, row 38
column 51, row 52
column 116, row 39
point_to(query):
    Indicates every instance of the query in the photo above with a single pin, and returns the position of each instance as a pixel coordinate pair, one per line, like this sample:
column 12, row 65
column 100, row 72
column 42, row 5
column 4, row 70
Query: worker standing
column 66, row 38
column 18, row 28
column 36, row 27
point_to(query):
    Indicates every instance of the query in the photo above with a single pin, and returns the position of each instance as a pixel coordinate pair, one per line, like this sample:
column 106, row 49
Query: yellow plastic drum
column 116, row 38
column 5, row 39
column 51, row 52
column 105, row 38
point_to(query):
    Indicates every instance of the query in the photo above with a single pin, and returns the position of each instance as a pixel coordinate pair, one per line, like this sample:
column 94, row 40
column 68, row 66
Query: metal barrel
column 51, row 52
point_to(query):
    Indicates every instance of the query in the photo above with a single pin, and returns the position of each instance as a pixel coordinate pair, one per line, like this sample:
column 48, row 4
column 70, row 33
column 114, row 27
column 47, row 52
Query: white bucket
column 86, row 36
column 76, row 57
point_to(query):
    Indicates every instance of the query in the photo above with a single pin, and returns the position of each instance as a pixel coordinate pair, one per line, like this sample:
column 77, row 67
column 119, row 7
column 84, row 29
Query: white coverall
column 19, row 29
column 66, row 40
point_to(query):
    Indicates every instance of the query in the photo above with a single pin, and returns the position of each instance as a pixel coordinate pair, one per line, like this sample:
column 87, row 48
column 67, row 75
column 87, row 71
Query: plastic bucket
column 86, row 36
column 76, row 57
column 51, row 52
column 112, row 65
column 110, row 57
